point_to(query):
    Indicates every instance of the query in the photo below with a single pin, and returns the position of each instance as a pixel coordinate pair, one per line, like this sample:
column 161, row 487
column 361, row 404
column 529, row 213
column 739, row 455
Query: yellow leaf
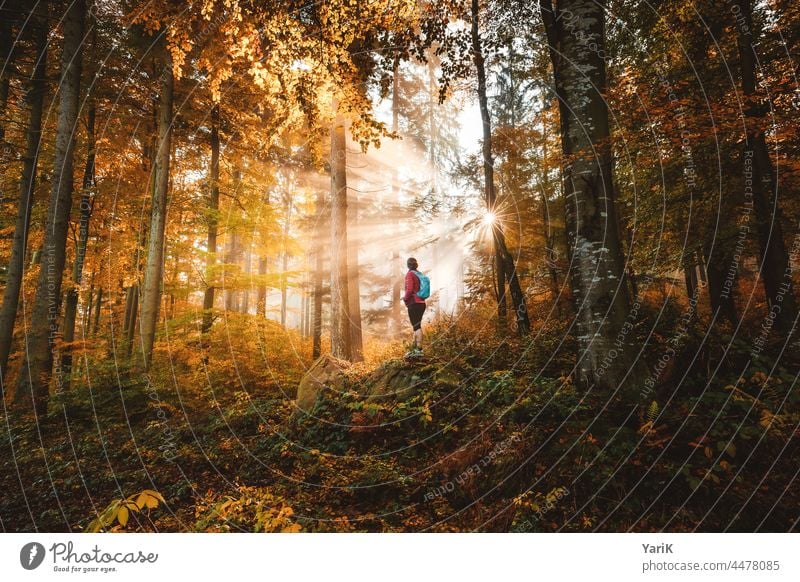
column 122, row 516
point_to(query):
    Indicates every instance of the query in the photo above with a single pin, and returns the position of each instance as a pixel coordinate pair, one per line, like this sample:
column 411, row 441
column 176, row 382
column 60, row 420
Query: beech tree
column 27, row 182
column 597, row 263
column 41, row 346
column 154, row 266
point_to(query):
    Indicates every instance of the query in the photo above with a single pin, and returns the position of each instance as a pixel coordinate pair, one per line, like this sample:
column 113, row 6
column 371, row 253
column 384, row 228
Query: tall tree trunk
column 341, row 338
column 353, row 280
column 504, row 261
column 606, row 356
column 154, row 269
column 87, row 203
column 549, row 239
column 6, row 48
column 776, row 273
column 37, row 366
column 397, row 278
column 319, row 246
column 285, row 257
column 16, row 263
column 213, row 220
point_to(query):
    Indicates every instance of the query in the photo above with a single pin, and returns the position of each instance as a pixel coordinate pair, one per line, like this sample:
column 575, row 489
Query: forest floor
column 493, row 437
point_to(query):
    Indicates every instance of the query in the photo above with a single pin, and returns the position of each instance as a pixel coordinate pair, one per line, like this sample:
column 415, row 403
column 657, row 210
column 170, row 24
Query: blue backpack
column 424, row 285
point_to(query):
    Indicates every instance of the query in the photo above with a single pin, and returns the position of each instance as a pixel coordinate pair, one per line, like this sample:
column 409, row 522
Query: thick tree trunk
column 42, row 344
column 504, row 261
column 319, row 262
column 213, row 220
column 87, row 203
column 776, row 273
column 606, row 355
column 154, row 269
column 16, row 263
column 6, row 48
column 341, row 337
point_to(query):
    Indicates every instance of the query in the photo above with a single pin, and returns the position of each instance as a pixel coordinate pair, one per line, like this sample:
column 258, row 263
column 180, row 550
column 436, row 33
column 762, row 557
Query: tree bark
column 353, row 280
column 316, row 341
column 549, row 239
column 154, row 269
column 341, row 338
column 16, row 263
column 42, row 345
column 397, row 278
column 132, row 317
column 97, row 309
column 213, row 220
column 605, row 357
column 6, row 49
column 776, row 272
column 504, row 261
column 285, row 257
column 86, row 205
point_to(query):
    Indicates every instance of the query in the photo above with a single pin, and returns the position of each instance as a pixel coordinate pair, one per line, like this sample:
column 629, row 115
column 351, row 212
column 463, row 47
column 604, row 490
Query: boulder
column 326, row 371
column 392, row 380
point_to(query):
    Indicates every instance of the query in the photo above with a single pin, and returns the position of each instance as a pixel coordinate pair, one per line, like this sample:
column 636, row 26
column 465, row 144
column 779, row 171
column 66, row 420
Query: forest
column 209, row 211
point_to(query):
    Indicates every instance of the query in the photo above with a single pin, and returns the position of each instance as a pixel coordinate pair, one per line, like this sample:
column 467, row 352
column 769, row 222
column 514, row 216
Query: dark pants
column 415, row 313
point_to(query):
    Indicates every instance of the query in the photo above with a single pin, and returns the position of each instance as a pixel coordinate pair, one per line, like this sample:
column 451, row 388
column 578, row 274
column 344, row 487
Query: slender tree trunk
column 316, row 340
column 233, row 254
column 353, row 280
column 261, row 301
column 397, row 278
column 16, row 263
column 549, row 239
column 605, row 357
column 722, row 272
column 248, row 271
column 126, row 314
column 285, row 258
column 97, row 310
column 690, row 278
column 154, row 269
column 87, row 309
column 87, row 202
column 213, row 220
column 132, row 317
column 42, row 342
column 776, row 272
column 341, row 338
column 504, row 261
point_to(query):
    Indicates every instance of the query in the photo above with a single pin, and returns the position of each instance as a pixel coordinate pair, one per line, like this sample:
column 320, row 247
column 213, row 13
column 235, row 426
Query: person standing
column 417, row 290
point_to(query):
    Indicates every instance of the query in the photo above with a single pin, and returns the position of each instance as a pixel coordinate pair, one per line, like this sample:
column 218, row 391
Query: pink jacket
column 412, row 286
